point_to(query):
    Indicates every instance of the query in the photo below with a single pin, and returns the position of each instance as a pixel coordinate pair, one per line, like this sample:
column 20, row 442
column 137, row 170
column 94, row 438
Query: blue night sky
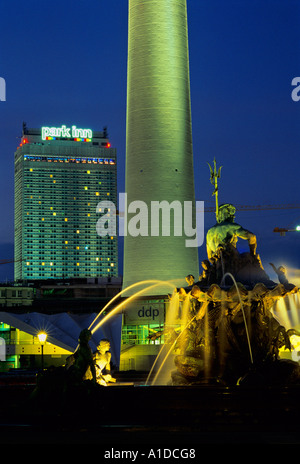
column 64, row 62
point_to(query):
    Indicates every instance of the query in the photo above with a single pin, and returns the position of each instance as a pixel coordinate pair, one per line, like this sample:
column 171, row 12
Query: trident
column 214, row 175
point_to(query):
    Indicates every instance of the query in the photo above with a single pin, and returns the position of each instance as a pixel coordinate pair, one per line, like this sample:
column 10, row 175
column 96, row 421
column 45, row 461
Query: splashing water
column 287, row 313
column 164, row 360
column 243, row 312
column 172, row 314
column 176, row 315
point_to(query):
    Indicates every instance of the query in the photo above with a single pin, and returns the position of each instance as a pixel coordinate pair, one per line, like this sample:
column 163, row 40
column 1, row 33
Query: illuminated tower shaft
column 159, row 153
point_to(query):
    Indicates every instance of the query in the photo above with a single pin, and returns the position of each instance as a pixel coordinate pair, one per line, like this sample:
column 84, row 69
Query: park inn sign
column 66, row 132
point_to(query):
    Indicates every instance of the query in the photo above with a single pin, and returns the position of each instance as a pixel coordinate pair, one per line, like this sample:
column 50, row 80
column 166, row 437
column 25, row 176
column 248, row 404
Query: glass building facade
column 59, row 181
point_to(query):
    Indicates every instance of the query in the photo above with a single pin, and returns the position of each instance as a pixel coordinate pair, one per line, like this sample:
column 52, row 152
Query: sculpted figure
column 208, row 274
column 82, row 364
column 226, row 233
column 222, row 253
column 281, row 273
column 282, row 276
column 190, row 279
column 102, row 363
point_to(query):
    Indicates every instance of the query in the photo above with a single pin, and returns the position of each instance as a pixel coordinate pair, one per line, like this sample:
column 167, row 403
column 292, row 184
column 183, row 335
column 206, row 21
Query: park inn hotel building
column 61, row 175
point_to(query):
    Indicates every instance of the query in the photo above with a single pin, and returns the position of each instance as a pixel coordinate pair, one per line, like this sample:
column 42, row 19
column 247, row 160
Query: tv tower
column 159, row 152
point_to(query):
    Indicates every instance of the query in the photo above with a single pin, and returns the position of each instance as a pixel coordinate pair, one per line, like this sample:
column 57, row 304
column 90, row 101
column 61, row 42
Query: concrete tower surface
column 159, row 152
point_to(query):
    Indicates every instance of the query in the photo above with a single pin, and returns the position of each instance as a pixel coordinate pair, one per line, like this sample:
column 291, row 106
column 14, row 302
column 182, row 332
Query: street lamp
column 42, row 336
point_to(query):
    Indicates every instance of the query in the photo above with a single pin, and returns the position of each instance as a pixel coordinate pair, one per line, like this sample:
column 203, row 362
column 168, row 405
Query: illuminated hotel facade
column 61, row 175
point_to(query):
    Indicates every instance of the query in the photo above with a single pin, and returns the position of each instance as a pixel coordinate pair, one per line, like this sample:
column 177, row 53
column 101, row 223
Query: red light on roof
column 108, row 145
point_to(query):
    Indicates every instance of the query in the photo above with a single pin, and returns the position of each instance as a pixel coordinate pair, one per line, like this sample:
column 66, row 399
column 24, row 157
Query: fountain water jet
column 163, row 362
column 171, row 314
column 242, row 309
column 126, row 301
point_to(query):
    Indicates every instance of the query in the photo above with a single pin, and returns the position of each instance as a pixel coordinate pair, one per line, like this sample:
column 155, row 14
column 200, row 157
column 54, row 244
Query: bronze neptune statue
column 230, row 334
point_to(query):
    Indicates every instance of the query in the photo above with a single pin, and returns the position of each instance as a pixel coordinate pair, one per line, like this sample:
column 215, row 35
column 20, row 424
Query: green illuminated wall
column 159, row 153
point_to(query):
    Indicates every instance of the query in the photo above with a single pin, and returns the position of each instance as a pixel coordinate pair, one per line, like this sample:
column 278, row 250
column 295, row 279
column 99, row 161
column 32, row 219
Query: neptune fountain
column 230, row 334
